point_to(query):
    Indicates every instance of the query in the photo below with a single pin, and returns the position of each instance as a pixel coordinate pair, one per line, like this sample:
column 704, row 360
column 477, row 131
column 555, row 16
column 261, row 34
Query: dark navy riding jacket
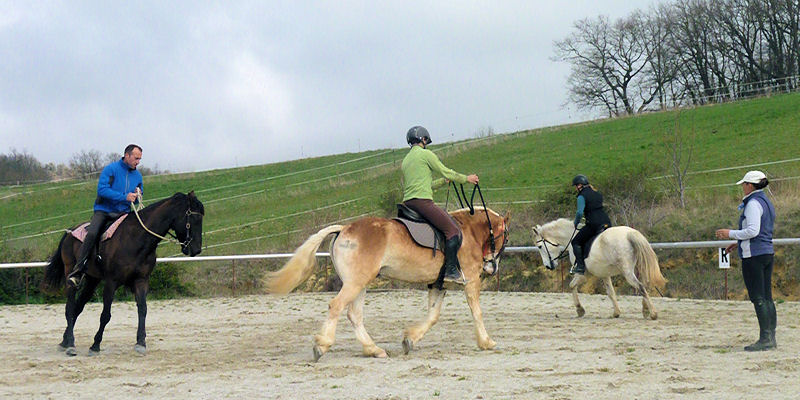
column 116, row 181
column 592, row 208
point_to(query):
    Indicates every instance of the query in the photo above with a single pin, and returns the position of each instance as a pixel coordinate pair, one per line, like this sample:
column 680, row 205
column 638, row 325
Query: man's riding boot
column 764, row 320
column 75, row 277
column 452, row 270
column 580, row 265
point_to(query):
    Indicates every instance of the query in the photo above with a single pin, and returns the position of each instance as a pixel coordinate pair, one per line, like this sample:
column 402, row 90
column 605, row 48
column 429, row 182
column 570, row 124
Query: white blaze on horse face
column 489, row 268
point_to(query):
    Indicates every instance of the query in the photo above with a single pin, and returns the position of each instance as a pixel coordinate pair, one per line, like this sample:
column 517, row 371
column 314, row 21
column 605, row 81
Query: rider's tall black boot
column 763, row 315
column 452, row 270
column 580, row 264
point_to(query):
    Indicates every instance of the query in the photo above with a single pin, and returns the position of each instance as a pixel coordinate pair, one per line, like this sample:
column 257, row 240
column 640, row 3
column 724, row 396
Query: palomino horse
column 618, row 250
column 128, row 258
column 376, row 246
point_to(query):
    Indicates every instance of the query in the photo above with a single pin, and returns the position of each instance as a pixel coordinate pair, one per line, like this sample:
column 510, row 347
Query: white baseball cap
column 752, row 177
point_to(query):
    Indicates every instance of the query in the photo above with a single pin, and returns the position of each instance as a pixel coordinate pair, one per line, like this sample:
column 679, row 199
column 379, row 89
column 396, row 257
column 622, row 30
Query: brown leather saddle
column 80, row 231
column 423, row 233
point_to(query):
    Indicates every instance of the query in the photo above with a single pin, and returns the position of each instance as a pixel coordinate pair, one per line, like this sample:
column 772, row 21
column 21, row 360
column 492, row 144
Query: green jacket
column 418, row 168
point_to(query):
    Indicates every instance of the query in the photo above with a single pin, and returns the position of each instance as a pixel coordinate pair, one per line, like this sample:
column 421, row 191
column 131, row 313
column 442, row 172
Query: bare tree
column 609, row 63
column 679, row 147
column 86, row 162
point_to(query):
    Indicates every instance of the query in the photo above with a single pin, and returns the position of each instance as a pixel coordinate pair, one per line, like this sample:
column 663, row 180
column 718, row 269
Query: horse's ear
column 191, row 194
column 536, row 229
column 506, row 216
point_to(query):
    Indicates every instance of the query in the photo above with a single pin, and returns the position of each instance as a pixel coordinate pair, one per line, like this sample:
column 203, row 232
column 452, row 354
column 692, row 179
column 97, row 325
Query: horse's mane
column 477, row 208
column 160, row 203
column 555, row 224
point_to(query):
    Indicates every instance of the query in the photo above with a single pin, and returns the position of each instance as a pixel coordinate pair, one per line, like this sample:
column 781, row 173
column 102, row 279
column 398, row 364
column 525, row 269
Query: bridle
column 492, row 238
column 561, row 255
column 184, row 244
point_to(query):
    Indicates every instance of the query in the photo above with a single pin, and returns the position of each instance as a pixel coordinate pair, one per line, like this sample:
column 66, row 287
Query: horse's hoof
column 488, row 345
column 581, row 311
column 317, row 353
column 381, row 354
column 93, row 352
column 408, row 345
column 140, row 349
column 615, row 315
column 654, row 316
column 70, row 351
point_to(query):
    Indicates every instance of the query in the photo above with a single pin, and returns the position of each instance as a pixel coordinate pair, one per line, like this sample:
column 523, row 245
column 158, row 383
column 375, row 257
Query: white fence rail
column 518, row 249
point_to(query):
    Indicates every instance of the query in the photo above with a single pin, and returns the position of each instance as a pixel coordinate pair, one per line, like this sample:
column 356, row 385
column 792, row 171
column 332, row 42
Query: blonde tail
column 299, row 268
column 646, row 261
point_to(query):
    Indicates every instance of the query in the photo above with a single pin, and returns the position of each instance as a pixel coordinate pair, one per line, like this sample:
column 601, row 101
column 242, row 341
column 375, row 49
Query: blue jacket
column 116, row 181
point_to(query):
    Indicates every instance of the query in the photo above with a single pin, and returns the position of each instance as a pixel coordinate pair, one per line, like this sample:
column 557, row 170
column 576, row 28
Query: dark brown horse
column 127, row 258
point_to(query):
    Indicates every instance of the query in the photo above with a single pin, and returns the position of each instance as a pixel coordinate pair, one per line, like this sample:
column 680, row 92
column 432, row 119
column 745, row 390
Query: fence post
column 233, row 286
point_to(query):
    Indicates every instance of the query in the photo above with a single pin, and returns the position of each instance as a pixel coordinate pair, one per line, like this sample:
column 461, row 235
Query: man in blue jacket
column 116, row 189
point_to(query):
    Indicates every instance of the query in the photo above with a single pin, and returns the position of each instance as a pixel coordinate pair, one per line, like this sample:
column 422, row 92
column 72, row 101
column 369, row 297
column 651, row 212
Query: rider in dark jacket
column 590, row 207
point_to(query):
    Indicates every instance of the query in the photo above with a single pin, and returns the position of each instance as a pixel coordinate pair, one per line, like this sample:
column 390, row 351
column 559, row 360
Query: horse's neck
column 158, row 219
column 560, row 232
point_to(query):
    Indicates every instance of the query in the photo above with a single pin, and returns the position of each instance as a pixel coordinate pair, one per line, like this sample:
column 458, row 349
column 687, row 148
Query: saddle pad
column 80, row 232
column 423, row 234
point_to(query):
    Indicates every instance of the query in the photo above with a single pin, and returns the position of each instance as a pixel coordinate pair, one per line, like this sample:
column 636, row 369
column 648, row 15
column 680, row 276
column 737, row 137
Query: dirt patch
column 260, row 347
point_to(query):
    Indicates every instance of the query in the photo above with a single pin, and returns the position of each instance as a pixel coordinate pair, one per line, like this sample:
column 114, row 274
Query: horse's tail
column 646, row 260
column 54, row 274
column 299, row 268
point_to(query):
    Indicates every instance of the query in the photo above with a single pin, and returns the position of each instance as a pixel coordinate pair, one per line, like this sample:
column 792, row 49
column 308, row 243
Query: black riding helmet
column 580, row 180
column 416, row 134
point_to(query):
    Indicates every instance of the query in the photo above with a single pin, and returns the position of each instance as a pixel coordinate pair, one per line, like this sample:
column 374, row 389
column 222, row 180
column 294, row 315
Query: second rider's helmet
column 416, row 134
column 580, row 180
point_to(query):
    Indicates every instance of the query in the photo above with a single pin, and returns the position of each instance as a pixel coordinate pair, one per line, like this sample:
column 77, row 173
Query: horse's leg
column 577, row 281
column 105, row 316
column 73, row 310
column 647, row 306
column 324, row 340
column 612, row 295
column 473, row 290
column 356, row 316
column 141, row 287
column 414, row 334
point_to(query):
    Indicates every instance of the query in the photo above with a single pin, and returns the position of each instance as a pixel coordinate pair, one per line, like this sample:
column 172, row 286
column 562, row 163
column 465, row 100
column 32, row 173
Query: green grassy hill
column 274, row 207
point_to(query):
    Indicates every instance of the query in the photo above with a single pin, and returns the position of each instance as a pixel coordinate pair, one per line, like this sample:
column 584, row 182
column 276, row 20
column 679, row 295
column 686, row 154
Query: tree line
column 23, row 168
column 686, row 52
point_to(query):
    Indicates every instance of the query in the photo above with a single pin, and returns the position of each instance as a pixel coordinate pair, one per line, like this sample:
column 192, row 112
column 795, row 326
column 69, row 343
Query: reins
column 563, row 252
column 471, row 206
column 174, row 239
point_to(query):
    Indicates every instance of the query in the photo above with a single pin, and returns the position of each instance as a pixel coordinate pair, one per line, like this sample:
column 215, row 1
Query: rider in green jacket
column 418, row 168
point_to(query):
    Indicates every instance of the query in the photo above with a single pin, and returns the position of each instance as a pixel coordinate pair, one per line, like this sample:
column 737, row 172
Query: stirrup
column 574, row 270
column 461, row 279
column 75, row 281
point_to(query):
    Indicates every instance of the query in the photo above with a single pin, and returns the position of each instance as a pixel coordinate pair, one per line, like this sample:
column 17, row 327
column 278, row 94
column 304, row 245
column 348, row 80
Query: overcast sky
column 204, row 85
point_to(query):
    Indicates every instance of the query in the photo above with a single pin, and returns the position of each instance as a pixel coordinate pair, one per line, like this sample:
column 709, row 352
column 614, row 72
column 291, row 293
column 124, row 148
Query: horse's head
column 188, row 225
column 552, row 241
column 496, row 241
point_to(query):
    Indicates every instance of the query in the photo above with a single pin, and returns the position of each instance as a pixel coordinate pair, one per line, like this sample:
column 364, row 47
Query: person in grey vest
column 754, row 243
